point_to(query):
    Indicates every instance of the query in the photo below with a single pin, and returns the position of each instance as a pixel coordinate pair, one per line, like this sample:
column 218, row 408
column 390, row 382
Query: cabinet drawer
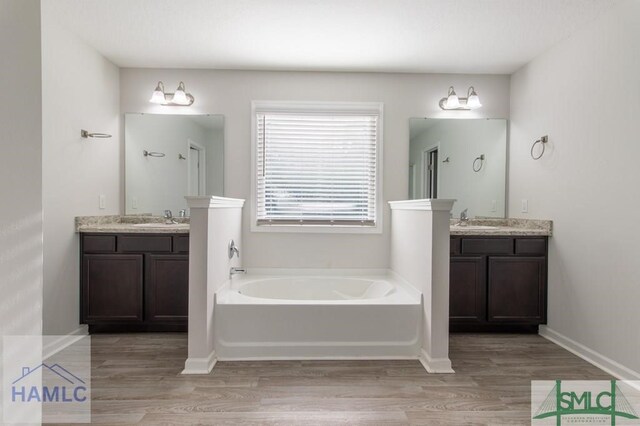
column 144, row 243
column 99, row 243
column 181, row 244
column 531, row 246
column 487, row 246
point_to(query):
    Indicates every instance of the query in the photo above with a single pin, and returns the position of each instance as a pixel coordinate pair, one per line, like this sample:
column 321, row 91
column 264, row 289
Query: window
column 317, row 166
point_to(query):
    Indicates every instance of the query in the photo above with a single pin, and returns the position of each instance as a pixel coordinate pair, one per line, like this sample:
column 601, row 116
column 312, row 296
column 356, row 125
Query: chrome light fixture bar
column 453, row 102
column 179, row 98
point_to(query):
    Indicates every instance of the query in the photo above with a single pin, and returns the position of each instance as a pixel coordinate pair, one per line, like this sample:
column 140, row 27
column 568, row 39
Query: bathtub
column 317, row 315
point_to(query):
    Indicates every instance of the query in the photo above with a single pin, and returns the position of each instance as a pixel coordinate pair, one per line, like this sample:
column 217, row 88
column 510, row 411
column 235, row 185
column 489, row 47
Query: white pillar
column 420, row 255
column 214, row 222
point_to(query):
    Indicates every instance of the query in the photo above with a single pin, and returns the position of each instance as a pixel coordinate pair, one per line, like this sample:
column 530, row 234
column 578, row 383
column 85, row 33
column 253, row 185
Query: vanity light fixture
column 453, row 102
column 179, row 98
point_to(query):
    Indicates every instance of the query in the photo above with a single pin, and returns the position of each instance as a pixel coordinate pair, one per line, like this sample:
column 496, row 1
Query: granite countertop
column 148, row 224
column 509, row 227
column 140, row 224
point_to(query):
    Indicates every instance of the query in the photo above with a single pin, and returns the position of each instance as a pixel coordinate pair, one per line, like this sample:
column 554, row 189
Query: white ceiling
column 448, row 36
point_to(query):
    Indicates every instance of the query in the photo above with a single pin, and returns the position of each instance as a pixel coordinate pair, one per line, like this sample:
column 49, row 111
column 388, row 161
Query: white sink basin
column 161, row 225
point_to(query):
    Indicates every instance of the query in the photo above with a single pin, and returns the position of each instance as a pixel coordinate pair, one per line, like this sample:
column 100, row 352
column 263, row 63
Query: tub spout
column 233, row 271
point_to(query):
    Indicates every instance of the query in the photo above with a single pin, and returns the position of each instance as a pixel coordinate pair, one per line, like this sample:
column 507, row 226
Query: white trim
column 354, row 108
column 213, row 202
column 200, row 365
column 412, row 181
column 431, row 204
column 319, row 271
column 63, row 342
column 202, row 165
column 319, row 358
column 597, row 359
column 316, row 350
column 316, row 229
column 428, row 149
column 435, row 365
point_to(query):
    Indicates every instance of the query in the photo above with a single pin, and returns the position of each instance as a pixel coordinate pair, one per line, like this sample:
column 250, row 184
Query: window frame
column 296, row 107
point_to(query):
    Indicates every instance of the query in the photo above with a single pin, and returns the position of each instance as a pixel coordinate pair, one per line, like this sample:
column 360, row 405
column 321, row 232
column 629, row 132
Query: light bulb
column 473, row 101
column 158, row 95
column 180, row 97
column 453, row 101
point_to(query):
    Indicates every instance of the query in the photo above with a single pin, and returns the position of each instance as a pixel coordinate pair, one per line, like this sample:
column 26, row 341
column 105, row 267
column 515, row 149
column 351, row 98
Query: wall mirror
column 170, row 156
column 463, row 159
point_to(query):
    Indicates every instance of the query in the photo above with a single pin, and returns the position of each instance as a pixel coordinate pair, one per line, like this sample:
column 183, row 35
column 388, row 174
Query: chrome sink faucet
column 168, row 218
column 464, row 219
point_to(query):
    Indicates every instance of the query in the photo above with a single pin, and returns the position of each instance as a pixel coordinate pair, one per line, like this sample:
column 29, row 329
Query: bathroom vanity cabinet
column 134, row 282
column 498, row 283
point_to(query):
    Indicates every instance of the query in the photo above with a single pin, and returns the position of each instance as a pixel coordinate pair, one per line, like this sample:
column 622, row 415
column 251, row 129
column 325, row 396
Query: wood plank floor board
column 136, row 380
column 282, row 418
column 421, row 379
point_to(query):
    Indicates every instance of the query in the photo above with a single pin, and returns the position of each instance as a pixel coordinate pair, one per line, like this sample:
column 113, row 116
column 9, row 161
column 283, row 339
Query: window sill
column 317, row 229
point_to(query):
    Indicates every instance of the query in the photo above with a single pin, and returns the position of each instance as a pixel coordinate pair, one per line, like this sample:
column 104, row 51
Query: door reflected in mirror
column 170, row 156
column 462, row 159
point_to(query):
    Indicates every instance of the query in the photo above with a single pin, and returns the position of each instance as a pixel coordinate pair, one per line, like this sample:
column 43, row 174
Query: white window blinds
column 316, row 168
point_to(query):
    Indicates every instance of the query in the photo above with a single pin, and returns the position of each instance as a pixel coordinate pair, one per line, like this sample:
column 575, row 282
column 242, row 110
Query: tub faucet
column 464, row 219
column 233, row 249
column 233, row 271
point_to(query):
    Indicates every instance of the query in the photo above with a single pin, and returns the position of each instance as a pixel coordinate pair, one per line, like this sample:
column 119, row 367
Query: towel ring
column 543, row 140
column 152, row 153
column 481, row 160
column 85, row 134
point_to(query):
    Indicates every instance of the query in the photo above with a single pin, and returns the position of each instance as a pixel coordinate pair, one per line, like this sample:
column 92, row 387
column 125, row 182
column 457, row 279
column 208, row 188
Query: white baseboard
column 602, row 362
column 435, row 365
column 200, row 365
column 318, row 358
column 55, row 346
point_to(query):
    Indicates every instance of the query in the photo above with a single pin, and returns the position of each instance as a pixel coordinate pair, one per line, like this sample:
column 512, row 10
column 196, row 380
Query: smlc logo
column 61, row 385
column 584, row 402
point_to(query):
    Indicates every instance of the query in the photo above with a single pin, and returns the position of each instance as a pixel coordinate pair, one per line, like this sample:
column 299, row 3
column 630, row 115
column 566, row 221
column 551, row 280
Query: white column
column 214, row 222
column 420, row 255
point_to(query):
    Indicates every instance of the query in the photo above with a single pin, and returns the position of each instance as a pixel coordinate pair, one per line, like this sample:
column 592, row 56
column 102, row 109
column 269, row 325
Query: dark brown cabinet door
column 167, row 288
column 467, row 289
column 112, row 288
column 516, row 289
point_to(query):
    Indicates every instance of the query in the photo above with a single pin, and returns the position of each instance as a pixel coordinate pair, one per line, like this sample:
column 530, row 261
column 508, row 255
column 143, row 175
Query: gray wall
column 20, row 170
column 80, row 90
column 230, row 93
column 585, row 94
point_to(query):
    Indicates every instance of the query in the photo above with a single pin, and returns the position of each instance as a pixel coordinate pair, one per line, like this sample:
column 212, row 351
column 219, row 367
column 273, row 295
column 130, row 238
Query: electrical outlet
column 525, row 206
column 102, row 202
column 494, row 205
column 134, row 202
